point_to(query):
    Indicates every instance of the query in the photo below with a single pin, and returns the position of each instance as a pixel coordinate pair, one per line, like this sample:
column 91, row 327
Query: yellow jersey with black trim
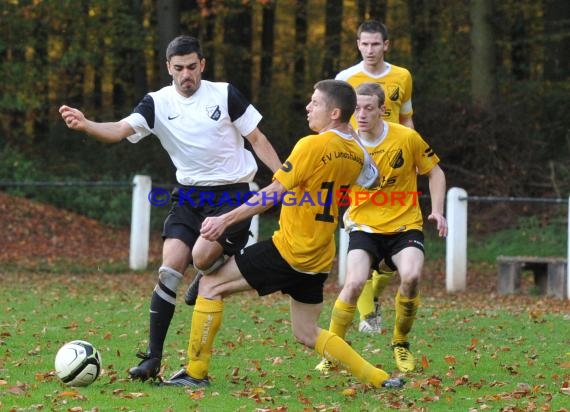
column 400, row 154
column 317, row 168
column 396, row 82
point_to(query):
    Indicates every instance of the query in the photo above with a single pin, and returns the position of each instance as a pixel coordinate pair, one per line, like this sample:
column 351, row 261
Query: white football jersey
column 203, row 133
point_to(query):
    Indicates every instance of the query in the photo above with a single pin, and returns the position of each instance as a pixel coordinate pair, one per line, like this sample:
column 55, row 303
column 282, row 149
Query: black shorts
column 267, row 272
column 192, row 204
column 382, row 246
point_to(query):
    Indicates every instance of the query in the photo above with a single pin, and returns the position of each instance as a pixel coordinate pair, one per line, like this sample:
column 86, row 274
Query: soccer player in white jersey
column 201, row 124
column 373, row 43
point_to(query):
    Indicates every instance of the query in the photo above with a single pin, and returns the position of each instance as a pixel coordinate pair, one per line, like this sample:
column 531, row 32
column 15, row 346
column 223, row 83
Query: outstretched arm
column 437, row 193
column 213, row 227
column 264, row 150
column 109, row 132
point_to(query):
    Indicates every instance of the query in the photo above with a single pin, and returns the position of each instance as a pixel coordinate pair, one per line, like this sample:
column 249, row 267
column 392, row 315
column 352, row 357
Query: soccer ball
column 77, row 363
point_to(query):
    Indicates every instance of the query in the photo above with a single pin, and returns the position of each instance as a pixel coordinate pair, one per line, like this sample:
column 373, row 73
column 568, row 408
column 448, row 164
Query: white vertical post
column 456, row 241
column 342, row 252
column 254, row 227
column 568, row 255
column 140, row 223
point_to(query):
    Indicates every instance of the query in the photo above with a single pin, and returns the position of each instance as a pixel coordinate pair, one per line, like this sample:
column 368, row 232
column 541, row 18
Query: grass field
column 65, row 277
column 475, row 351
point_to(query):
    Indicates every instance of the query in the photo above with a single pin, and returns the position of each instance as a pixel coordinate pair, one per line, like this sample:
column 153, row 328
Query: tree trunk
column 238, row 41
column 557, row 40
column 137, row 57
column 333, row 29
column 372, row 10
column 520, row 56
column 423, row 17
column 267, row 46
column 378, row 10
column 483, row 63
column 301, row 27
column 208, row 39
column 168, row 27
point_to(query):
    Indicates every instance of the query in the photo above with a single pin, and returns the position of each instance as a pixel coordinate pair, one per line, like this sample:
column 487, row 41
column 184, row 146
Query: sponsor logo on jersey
column 173, row 117
column 214, row 112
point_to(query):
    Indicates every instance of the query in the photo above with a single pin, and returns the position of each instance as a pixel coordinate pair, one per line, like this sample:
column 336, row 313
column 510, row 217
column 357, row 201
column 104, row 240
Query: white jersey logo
column 214, row 112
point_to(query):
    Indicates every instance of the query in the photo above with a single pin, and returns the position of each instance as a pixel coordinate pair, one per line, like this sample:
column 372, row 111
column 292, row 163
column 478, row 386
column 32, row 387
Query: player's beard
column 189, row 86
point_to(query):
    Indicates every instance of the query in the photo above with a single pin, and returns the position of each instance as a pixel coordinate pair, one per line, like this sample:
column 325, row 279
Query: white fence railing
column 456, row 241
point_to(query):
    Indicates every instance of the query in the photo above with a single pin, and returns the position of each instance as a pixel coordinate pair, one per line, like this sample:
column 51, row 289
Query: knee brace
column 219, row 262
column 168, row 281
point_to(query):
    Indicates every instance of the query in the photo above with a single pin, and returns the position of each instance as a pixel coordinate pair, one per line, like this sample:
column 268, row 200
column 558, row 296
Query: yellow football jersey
column 400, row 154
column 395, row 81
column 318, row 167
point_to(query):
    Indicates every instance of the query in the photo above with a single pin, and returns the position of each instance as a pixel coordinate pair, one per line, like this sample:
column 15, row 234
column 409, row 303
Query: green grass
column 474, row 352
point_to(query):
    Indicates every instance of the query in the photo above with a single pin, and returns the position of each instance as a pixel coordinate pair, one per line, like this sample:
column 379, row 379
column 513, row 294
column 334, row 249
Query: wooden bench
column 550, row 275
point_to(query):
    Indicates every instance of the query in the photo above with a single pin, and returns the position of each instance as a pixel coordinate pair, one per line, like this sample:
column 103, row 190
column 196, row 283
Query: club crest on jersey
column 394, row 93
column 396, row 159
column 214, row 112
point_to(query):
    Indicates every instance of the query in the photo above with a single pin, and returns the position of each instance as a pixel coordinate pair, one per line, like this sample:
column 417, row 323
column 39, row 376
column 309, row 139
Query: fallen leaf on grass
column 462, row 381
column 17, row 390
column 42, row 377
column 565, row 389
column 197, row 395
column 71, row 326
column 349, row 392
column 425, row 362
column 71, row 394
column 449, row 359
column 134, row 395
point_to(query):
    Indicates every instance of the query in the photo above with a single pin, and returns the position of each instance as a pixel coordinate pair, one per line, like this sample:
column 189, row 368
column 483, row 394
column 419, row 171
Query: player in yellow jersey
column 387, row 223
column 298, row 258
column 372, row 41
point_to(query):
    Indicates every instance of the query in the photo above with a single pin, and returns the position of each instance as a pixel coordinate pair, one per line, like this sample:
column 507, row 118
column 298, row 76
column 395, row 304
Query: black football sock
column 162, row 305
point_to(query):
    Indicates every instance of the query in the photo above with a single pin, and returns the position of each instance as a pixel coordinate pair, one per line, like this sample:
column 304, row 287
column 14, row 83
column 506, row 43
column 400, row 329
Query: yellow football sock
column 406, row 309
column 336, row 350
column 342, row 315
column 365, row 302
column 206, row 321
column 381, row 279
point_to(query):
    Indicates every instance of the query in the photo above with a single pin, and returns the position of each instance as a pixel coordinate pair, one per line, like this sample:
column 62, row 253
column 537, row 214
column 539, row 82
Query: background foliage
column 490, row 94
